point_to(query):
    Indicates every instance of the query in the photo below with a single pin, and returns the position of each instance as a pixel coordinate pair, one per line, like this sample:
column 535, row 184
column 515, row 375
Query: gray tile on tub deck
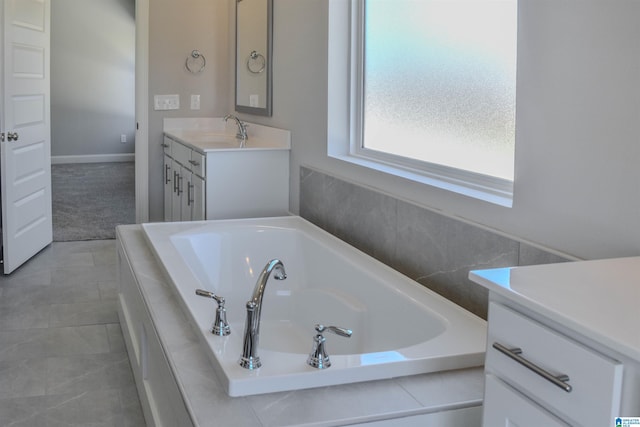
column 300, row 405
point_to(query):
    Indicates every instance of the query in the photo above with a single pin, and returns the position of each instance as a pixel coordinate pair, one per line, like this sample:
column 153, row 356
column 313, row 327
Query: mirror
column 254, row 28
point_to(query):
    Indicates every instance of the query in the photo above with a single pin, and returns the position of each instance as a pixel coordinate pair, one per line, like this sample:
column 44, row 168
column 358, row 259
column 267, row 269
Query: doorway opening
column 93, row 117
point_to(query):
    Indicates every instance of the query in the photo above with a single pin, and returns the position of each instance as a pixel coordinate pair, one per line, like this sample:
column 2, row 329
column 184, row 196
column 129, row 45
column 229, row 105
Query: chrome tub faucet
column 249, row 358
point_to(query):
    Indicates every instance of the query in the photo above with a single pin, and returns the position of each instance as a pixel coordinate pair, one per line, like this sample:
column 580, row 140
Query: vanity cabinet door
column 504, row 406
column 186, row 198
column 184, row 185
column 178, row 190
column 167, row 176
column 197, row 197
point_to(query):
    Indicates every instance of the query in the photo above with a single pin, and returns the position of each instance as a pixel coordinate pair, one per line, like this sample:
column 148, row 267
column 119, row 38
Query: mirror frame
column 267, row 110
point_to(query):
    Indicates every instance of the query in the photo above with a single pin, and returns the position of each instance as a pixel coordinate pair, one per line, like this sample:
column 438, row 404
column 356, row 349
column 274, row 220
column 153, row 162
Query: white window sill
column 469, row 189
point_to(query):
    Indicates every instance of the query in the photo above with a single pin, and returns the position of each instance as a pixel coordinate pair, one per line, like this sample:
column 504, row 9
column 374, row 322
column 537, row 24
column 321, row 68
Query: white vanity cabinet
column 201, row 182
column 562, row 344
column 184, row 182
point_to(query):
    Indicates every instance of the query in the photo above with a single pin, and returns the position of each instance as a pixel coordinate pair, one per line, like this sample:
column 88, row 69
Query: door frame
column 142, row 111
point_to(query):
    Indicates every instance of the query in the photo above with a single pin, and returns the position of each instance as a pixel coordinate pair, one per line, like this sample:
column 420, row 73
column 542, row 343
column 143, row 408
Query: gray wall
column 92, row 77
column 176, row 28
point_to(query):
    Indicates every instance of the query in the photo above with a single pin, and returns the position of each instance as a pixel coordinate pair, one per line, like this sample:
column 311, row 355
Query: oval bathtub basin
column 399, row 327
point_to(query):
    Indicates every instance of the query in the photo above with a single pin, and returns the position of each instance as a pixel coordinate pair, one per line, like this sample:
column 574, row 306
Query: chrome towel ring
column 256, row 62
column 196, row 62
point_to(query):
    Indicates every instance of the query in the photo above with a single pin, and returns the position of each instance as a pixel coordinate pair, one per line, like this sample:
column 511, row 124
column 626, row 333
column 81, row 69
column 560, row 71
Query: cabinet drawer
column 504, row 406
column 595, row 380
column 181, row 153
column 197, row 163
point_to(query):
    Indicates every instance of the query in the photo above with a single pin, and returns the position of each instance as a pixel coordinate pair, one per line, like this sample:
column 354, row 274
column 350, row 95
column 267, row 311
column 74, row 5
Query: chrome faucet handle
column 319, row 357
column 343, row 332
column 220, row 326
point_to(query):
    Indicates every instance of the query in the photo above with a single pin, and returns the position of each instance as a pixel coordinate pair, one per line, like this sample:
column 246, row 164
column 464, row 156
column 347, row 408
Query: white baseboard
column 94, row 158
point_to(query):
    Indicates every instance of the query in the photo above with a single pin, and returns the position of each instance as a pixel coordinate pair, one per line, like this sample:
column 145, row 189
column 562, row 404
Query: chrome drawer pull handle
column 190, row 198
column 514, row 353
column 194, row 163
column 167, row 168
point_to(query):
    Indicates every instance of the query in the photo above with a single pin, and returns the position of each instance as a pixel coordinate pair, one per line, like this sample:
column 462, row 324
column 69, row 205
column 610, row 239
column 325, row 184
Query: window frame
column 345, row 121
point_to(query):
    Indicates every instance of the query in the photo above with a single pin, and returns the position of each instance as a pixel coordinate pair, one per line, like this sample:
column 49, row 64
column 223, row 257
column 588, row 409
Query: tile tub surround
column 435, row 250
column 206, row 399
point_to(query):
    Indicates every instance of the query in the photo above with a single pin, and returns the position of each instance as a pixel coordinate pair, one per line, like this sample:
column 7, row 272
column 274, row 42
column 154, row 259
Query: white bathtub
column 399, row 327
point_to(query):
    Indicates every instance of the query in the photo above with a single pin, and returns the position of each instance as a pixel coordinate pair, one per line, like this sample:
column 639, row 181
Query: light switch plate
column 166, row 102
column 195, row 102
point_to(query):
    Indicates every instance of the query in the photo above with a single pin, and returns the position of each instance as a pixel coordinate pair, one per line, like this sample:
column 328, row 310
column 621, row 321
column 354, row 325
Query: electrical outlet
column 123, row 138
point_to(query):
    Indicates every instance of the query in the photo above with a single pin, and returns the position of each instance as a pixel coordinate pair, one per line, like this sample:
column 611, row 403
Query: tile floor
column 62, row 356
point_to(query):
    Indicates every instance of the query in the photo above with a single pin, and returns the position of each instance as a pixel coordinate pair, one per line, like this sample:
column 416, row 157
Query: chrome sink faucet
column 249, row 358
column 242, row 129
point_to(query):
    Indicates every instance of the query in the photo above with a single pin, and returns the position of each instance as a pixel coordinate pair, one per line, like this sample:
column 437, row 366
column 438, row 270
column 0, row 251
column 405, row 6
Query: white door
column 25, row 121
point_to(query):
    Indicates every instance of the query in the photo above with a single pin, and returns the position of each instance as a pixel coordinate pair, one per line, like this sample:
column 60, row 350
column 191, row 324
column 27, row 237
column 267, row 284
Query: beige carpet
column 91, row 199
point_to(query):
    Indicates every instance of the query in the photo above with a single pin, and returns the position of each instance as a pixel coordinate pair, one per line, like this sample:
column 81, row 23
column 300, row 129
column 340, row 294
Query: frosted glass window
column 439, row 82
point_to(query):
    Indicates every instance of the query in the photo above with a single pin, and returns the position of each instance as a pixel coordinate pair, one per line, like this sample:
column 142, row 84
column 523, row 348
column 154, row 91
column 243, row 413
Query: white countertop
column 214, row 134
column 599, row 299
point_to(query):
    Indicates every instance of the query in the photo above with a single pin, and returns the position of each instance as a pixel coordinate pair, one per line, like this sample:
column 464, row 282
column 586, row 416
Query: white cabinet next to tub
column 562, row 343
column 203, row 180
